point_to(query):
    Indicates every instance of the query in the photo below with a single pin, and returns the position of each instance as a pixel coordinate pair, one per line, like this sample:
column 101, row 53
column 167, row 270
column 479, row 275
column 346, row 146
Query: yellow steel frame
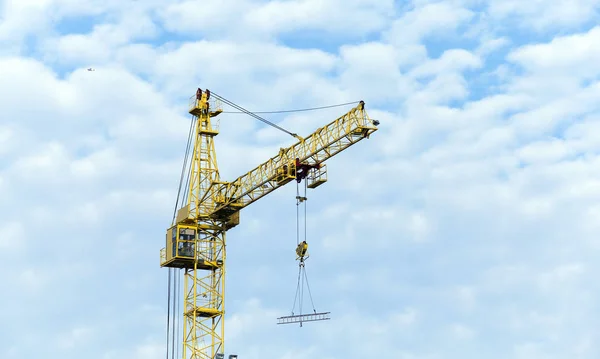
column 321, row 145
column 204, row 298
column 213, row 207
column 204, row 277
column 204, row 294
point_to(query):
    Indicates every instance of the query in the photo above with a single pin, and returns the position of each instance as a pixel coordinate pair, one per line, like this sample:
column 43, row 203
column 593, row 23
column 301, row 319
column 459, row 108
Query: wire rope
column 253, row 114
column 178, row 285
column 168, row 309
column 298, row 110
column 309, row 293
column 185, row 159
column 297, row 214
column 174, row 315
column 302, row 276
column 305, row 227
column 297, row 289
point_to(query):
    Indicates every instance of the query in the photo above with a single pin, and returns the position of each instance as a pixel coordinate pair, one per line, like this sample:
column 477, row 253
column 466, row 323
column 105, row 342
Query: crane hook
column 301, row 252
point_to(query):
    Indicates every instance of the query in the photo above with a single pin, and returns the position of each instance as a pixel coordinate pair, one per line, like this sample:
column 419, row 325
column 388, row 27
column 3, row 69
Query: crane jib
column 321, row 145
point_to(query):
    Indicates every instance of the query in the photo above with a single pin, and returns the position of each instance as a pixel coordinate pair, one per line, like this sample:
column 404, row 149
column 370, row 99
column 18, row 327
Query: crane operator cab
column 186, row 249
column 301, row 251
column 184, row 245
column 180, row 247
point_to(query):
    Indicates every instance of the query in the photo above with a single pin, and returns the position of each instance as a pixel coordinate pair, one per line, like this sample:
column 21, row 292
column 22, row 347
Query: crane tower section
column 196, row 241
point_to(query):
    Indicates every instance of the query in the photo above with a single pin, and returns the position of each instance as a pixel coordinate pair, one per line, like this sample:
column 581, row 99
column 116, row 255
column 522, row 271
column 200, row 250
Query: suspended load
column 301, row 256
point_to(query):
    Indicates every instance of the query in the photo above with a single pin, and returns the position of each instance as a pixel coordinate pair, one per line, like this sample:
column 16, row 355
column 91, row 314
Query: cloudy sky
column 466, row 227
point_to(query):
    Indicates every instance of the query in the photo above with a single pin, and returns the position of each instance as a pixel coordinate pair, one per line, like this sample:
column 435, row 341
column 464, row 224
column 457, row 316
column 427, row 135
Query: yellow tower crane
column 195, row 242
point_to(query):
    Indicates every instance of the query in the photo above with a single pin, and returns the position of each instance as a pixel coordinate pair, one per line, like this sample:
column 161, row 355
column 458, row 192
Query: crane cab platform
column 362, row 131
column 201, row 104
column 286, row 173
column 188, row 263
column 180, row 250
column 317, row 176
column 205, row 312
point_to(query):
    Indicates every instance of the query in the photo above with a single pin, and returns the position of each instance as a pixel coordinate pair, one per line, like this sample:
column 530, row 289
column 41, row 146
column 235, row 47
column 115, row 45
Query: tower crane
column 195, row 241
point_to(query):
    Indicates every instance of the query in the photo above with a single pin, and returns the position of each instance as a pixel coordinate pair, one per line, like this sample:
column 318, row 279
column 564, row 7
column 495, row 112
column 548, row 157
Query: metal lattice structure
column 195, row 242
column 291, row 319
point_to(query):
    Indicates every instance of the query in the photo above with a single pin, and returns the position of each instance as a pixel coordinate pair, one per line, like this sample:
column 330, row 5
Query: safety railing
column 163, row 256
column 317, row 176
column 214, row 105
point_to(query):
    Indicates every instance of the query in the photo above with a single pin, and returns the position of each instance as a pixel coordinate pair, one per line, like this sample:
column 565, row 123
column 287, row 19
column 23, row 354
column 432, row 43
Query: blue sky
column 466, row 227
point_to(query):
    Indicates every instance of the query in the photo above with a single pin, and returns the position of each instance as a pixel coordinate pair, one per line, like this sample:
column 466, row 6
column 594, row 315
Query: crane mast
column 195, row 242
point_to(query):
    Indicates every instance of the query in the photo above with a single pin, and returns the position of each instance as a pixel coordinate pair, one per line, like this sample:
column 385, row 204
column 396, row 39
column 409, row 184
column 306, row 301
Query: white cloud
column 470, row 215
column 454, row 60
column 462, row 332
column 150, row 351
column 98, row 46
column 488, row 46
column 14, row 18
column 572, row 55
column 74, row 338
column 21, row 19
column 251, row 18
column 7, row 139
column 12, row 236
column 203, row 17
column 561, row 274
column 545, row 151
column 348, row 17
column 429, row 19
column 467, row 297
column 543, row 15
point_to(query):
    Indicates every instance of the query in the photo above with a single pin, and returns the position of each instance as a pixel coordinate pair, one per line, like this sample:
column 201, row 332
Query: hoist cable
column 253, row 114
column 187, row 184
column 178, row 286
column 297, row 289
column 300, row 109
column 297, row 214
column 309, row 293
column 174, row 315
column 168, row 309
column 301, row 294
column 297, row 243
column 305, row 184
column 189, row 167
column 185, row 158
column 302, row 276
column 173, row 324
